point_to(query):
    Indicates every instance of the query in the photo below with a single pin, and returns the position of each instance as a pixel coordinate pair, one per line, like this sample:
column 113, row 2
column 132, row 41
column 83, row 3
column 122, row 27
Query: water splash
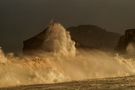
column 65, row 64
column 53, row 69
column 3, row 59
column 58, row 41
column 131, row 49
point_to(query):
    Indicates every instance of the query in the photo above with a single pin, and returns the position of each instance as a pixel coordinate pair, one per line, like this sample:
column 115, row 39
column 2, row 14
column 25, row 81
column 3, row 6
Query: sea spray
column 3, row 59
column 58, row 41
column 53, row 69
column 64, row 63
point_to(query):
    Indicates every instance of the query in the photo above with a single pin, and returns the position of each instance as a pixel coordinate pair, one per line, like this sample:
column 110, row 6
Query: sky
column 22, row 19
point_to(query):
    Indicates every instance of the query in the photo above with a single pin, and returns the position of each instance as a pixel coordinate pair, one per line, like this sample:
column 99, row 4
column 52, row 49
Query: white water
column 58, row 41
column 65, row 64
column 131, row 49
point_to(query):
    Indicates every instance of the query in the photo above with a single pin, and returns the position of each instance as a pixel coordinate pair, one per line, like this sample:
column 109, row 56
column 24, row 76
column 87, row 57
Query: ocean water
column 65, row 63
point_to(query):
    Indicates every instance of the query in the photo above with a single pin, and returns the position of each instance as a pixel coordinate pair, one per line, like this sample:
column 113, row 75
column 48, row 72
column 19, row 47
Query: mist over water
column 64, row 63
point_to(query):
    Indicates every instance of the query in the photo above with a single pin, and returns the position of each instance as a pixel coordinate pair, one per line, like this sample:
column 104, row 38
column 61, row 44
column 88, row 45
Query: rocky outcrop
column 93, row 37
column 126, row 41
column 54, row 38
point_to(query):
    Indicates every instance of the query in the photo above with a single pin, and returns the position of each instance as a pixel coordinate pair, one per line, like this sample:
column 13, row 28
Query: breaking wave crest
column 66, row 64
column 52, row 69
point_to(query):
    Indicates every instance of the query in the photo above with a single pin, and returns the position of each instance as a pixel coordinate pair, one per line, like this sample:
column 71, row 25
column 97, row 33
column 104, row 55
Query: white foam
column 58, row 41
column 66, row 63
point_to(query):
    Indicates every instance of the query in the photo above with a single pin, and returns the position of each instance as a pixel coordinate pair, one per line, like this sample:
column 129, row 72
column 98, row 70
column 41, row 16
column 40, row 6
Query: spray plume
column 64, row 63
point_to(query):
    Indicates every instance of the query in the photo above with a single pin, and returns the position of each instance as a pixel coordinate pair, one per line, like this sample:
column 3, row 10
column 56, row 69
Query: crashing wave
column 54, row 39
column 55, row 68
column 58, row 40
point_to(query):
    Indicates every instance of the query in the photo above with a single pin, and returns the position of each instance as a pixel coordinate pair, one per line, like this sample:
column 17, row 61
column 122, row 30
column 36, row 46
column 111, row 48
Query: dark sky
column 21, row 19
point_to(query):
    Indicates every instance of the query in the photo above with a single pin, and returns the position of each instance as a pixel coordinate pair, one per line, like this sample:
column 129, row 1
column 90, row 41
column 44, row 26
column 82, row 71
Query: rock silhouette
column 125, row 40
column 93, row 37
column 85, row 37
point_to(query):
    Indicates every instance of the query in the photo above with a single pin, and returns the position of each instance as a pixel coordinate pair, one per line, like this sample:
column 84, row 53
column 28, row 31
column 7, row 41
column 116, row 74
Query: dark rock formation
column 93, row 37
column 85, row 36
column 34, row 43
column 125, row 40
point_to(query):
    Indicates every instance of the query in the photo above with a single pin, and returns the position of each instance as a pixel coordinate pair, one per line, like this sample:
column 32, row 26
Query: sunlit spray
column 64, row 63
column 3, row 59
column 58, row 41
